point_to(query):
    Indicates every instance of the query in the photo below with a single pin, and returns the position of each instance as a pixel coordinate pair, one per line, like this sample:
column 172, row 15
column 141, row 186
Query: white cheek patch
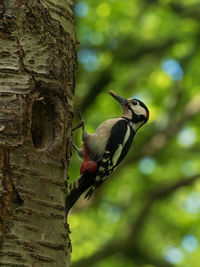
column 139, row 110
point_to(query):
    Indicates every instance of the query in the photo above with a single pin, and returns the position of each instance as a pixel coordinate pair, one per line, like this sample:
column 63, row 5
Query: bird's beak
column 120, row 99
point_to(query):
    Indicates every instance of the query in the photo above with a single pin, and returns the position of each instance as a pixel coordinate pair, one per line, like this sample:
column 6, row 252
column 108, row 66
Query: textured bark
column 37, row 66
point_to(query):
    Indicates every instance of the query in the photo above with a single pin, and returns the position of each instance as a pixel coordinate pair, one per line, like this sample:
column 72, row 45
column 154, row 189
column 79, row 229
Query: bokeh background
column 148, row 212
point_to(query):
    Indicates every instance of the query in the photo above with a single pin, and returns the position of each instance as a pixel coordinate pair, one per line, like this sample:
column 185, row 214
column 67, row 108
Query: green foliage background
column 147, row 213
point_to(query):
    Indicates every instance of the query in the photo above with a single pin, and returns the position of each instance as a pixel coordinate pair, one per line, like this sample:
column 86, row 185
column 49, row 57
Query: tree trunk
column 37, row 66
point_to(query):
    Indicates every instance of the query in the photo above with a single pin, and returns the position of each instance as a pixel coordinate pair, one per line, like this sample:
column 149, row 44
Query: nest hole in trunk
column 42, row 124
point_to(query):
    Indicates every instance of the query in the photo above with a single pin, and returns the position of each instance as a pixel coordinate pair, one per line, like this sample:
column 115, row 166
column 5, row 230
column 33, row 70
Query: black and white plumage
column 118, row 144
column 107, row 146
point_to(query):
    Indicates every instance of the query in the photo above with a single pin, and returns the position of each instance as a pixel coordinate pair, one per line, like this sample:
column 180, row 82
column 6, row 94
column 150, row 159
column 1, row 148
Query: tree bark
column 37, row 66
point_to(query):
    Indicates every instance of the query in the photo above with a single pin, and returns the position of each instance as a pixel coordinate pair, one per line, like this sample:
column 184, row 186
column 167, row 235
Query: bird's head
column 133, row 109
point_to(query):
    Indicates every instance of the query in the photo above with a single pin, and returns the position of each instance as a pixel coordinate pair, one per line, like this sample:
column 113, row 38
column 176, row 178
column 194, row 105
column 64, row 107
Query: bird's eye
column 134, row 102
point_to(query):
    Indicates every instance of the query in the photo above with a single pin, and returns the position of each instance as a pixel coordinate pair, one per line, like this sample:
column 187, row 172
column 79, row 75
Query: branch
column 128, row 250
column 128, row 245
column 159, row 193
column 165, row 191
column 141, row 258
column 189, row 11
column 192, row 11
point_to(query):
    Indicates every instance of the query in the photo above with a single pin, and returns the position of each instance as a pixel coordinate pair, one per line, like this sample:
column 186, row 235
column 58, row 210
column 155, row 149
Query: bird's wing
column 118, row 144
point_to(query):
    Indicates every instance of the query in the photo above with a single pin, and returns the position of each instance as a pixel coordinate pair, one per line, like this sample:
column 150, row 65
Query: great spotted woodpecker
column 104, row 149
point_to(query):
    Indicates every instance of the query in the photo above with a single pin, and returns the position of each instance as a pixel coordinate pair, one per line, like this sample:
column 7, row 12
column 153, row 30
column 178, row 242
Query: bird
column 104, row 150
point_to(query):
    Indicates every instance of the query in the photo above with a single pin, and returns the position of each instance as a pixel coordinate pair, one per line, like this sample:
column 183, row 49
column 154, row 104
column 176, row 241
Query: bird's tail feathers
column 77, row 188
column 89, row 193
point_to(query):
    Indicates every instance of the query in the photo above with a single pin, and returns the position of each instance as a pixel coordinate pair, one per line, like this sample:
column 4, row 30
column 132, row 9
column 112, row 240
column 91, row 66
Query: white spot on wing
column 127, row 135
column 101, row 169
column 120, row 147
column 117, row 154
column 98, row 178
